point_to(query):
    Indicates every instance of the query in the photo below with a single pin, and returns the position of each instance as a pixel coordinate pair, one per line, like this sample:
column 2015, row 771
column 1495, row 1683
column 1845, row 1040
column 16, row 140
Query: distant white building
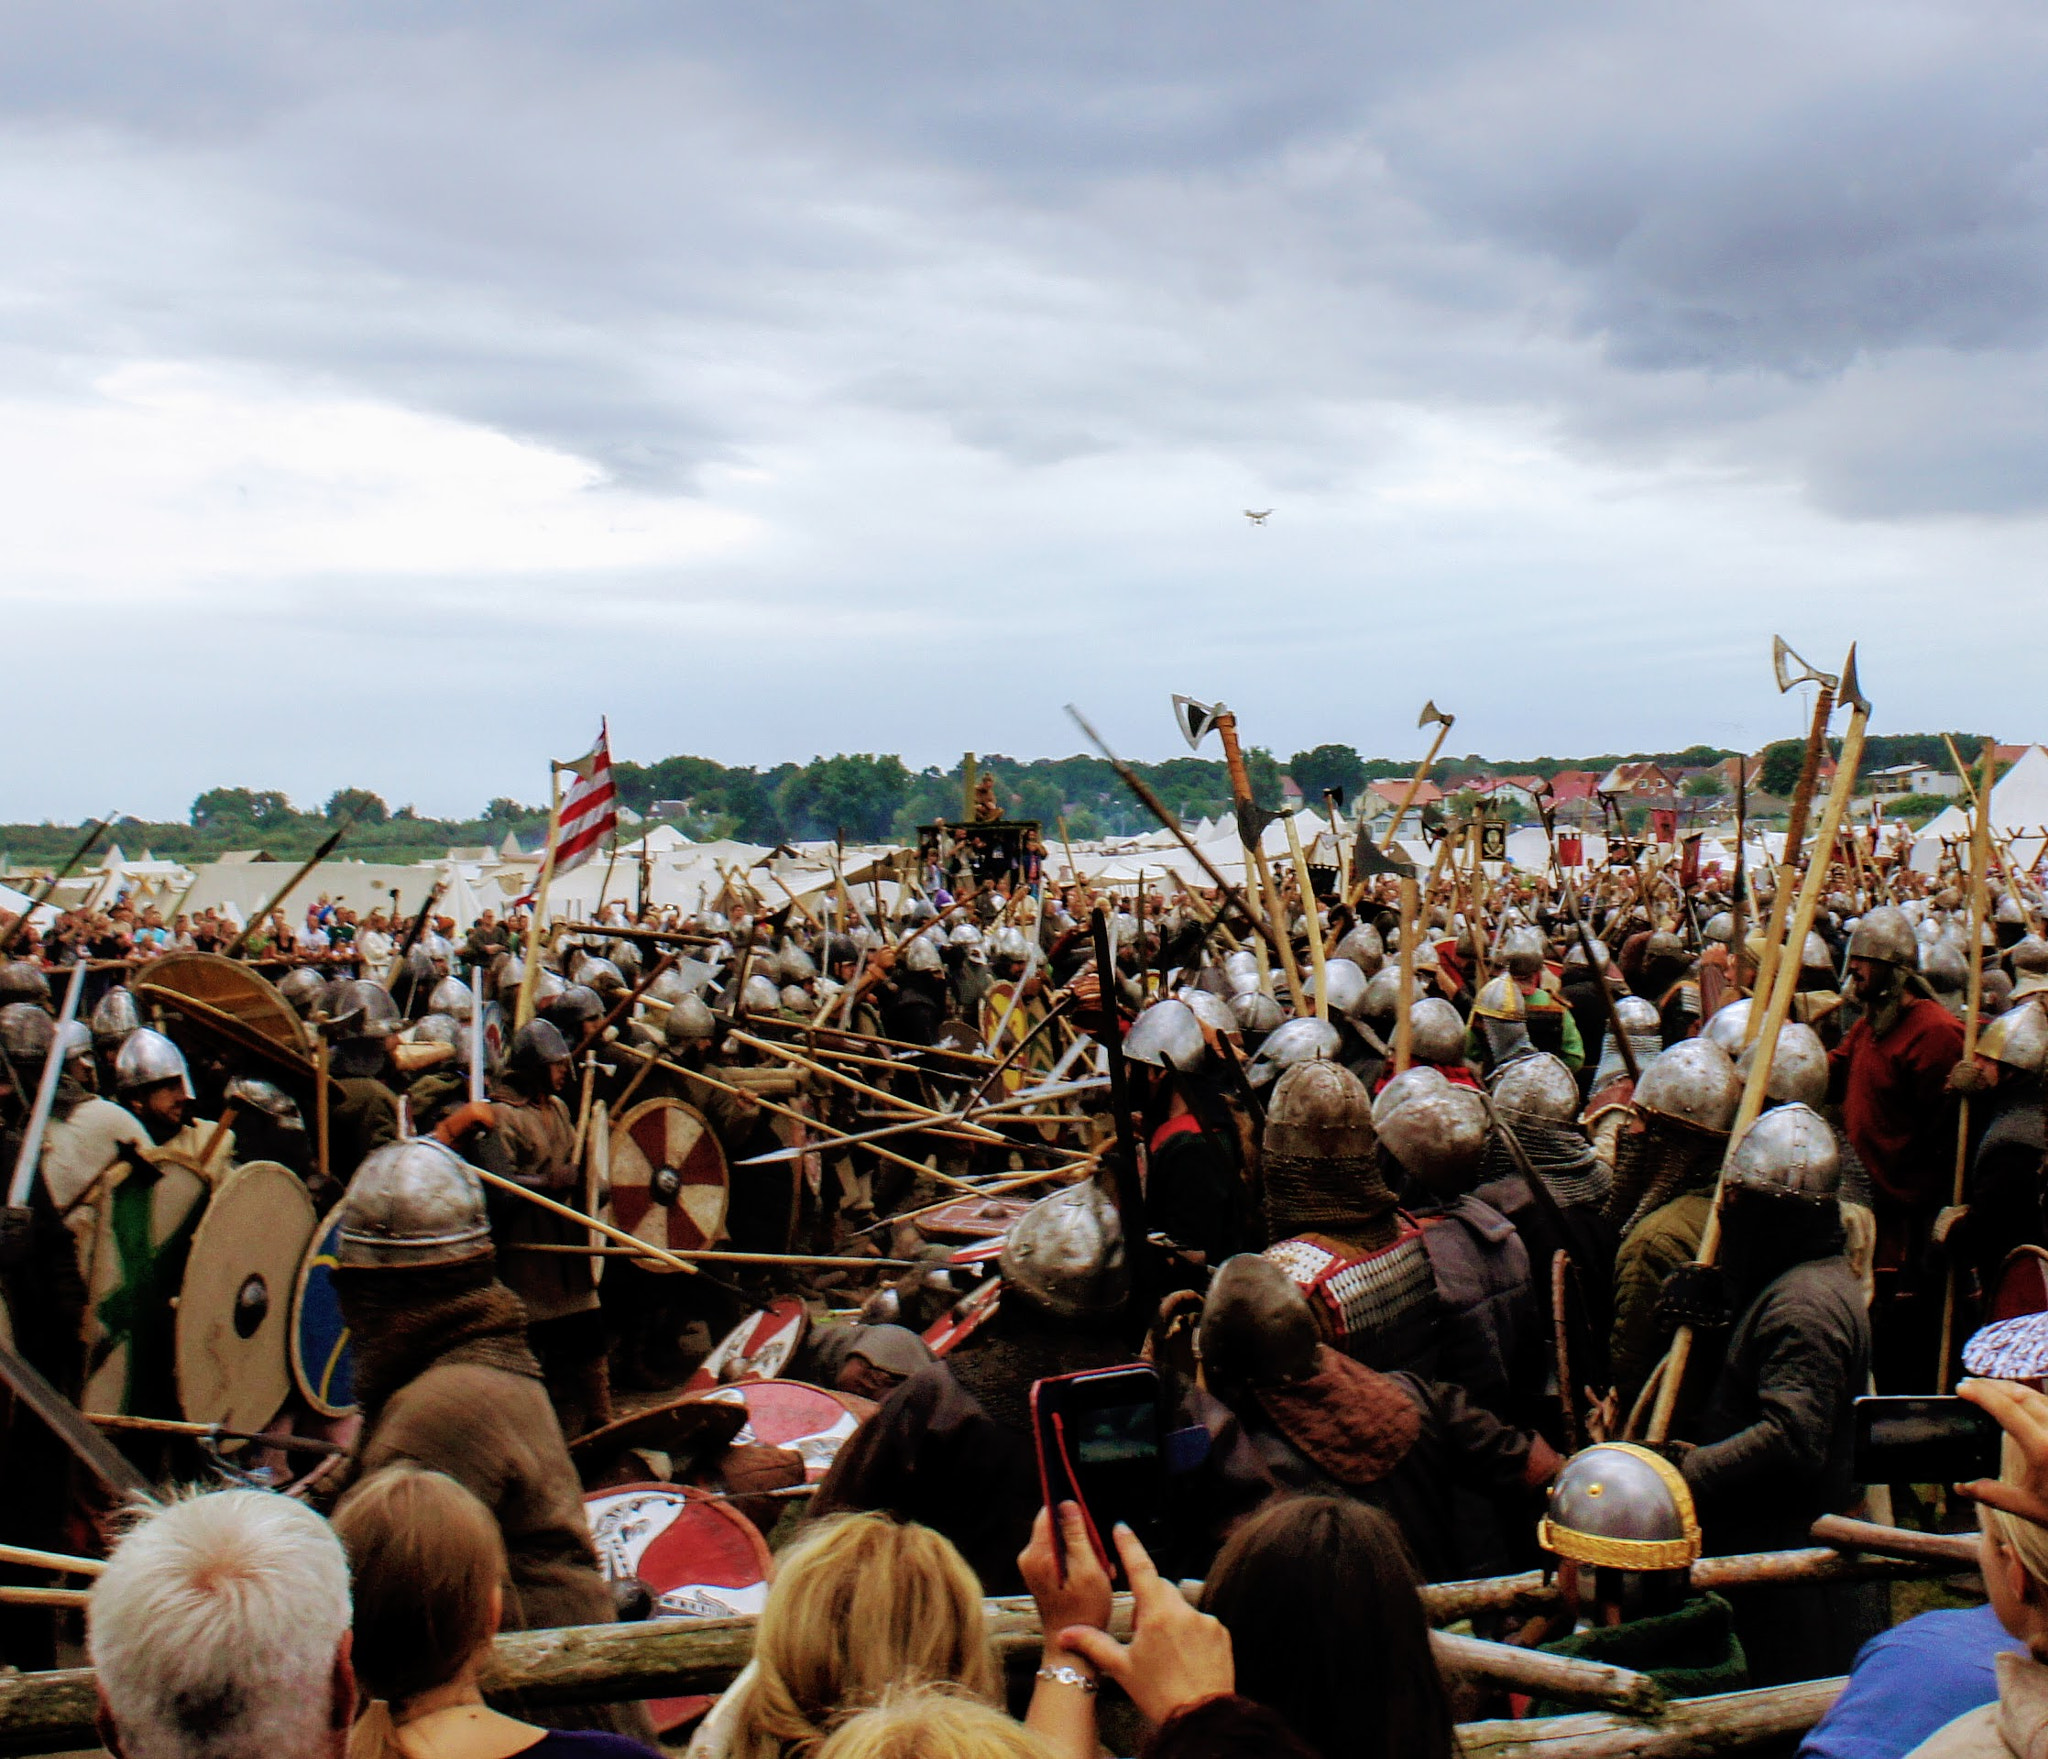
column 1912, row 778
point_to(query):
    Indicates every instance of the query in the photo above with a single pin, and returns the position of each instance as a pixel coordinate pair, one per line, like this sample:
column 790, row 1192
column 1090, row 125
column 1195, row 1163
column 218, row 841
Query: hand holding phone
column 1065, row 1577
column 1097, row 1435
column 1924, row 1441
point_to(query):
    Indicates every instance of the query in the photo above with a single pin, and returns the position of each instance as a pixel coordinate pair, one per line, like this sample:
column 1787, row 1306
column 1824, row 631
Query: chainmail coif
column 1559, row 1152
column 1659, row 1162
column 1343, row 1195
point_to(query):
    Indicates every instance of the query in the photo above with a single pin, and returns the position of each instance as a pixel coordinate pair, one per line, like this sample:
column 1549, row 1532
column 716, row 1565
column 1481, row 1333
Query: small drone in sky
column 1258, row 518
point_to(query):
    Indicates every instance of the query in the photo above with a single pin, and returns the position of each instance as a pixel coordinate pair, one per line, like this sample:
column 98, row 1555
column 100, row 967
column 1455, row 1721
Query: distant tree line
column 865, row 796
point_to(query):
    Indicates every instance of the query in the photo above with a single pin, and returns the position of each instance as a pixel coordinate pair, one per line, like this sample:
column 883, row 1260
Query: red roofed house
column 1573, row 785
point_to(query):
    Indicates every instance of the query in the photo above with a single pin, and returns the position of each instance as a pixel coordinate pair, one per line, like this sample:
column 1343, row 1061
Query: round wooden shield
column 235, row 1304
column 972, row 1218
column 760, row 1347
column 229, row 999
column 808, row 1420
column 116, row 1274
column 965, row 1317
column 668, row 1178
column 700, row 1556
column 322, row 1362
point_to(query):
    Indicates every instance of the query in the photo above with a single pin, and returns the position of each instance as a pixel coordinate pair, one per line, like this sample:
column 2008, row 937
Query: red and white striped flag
column 590, row 809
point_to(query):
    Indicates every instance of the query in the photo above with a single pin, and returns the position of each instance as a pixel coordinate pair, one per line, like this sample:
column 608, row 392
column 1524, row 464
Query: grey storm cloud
column 1242, row 251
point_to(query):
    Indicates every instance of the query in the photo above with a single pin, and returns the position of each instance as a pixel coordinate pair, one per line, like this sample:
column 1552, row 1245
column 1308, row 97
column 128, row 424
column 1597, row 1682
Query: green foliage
column 858, row 795
column 1327, row 766
column 262, row 808
column 1779, row 772
column 1883, row 751
column 365, row 807
column 1705, row 785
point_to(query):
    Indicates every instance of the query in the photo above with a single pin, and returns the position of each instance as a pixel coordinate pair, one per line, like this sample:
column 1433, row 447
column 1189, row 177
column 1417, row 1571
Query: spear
column 319, row 855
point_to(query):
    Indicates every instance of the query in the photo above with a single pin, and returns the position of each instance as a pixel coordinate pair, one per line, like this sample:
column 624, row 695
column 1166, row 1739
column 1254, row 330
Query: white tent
column 2019, row 816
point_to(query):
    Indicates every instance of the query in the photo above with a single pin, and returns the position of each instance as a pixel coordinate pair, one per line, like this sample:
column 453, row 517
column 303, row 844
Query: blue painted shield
column 322, row 1362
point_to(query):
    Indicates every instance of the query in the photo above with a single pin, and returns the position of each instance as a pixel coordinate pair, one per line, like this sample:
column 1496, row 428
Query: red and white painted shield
column 967, row 1315
column 808, row 1420
column 758, row 1348
column 973, row 1218
column 699, row 1555
column 668, row 1178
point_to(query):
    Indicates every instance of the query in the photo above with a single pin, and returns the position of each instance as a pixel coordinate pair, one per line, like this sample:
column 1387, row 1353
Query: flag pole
column 531, row 975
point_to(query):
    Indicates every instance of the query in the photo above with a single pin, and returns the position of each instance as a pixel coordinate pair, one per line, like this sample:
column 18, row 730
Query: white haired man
column 220, row 1629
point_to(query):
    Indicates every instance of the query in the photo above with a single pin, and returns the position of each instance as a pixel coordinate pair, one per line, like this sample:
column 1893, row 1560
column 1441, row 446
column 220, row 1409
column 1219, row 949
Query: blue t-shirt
column 1909, row 1681
column 562, row 1743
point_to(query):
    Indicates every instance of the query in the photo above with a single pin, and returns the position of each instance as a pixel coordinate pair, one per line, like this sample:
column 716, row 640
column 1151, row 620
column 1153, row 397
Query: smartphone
column 1099, row 1446
column 1924, row 1441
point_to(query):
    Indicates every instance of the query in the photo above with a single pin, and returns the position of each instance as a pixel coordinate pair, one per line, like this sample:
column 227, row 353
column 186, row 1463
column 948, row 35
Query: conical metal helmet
column 1522, row 951
column 1065, row 1254
column 1884, row 934
column 1692, row 1082
column 1439, row 1137
column 1575, row 952
column 2029, row 953
column 1382, row 998
column 147, row 1057
column 1257, row 1329
column 22, row 980
column 1167, row 1036
column 1319, row 1111
column 796, row 966
column 1799, row 1070
column 1621, row 1507
column 1644, row 1032
column 1815, row 954
column 1500, row 998
column 26, row 1034
column 1241, row 967
column 760, row 995
column 689, row 1021
column 1720, row 927
column 1294, row 1041
column 1435, row 1033
column 302, row 986
column 1210, row 1009
column 413, row 1203
column 1537, row 1086
column 2018, row 1038
column 1363, row 947
column 1729, row 1025
column 117, row 1015
column 600, row 975
column 1946, row 969
column 1412, row 1082
column 1790, row 1151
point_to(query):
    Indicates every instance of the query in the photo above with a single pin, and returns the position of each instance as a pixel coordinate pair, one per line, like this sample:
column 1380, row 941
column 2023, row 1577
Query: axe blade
column 1849, row 690
column 1783, row 661
column 1194, row 719
column 1430, row 712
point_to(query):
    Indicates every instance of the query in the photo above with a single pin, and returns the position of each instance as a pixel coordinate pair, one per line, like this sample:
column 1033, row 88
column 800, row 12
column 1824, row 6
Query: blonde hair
column 860, row 1604
column 215, row 1627
column 932, row 1722
column 427, row 1558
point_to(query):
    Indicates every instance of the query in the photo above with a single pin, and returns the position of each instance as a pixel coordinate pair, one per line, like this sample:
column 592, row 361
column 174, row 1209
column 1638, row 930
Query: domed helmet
column 115, row 1017
column 1790, row 1154
column 1720, row 927
column 1242, row 970
column 302, row 986
column 1210, row 1009
column 1294, row 1041
column 358, row 1008
column 537, row 1046
column 600, row 976
column 147, row 1059
column 964, row 934
column 1439, row 1137
column 1664, row 945
column 1435, row 1033
column 1692, row 1083
column 1575, row 952
column 434, row 1029
column 1522, row 951
column 1319, row 1111
column 1363, row 947
column 1884, row 934
column 1065, row 1254
column 26, row 1034
column 576, row 1009
column 1644, row 1031
column 1799, row 1070
column 413, row 1203
column 75, row 1039
column 690, row 1021
column 1345, row 986
column 1729, row 1025
column 668, row 988
column 760, row 996
column 2018, row 1038
column 1417, row 1079
column 452, row 997
column 546, row 986
column 1167, row 1036
column 266, row 1097
column 922, row 955
column 2010, row 911
column 1537, row 1086
column 1426, row 958
column 22, row 980
column 796, row 966
column 1618, row 1506
column 1816, row 955
column 1256, row 1014
column 796, row 999
column 1382, row 998
column 693, row 974
column 1947, row 973
column 1256, row 1329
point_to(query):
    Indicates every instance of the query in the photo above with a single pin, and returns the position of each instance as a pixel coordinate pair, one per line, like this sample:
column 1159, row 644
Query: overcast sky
column 387, row 391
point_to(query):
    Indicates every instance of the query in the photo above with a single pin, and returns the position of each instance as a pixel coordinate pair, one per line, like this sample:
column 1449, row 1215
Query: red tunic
column 1894, row 1108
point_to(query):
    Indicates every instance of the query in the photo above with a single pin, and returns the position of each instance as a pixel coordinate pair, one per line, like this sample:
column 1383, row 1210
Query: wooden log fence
column 587, row 1664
